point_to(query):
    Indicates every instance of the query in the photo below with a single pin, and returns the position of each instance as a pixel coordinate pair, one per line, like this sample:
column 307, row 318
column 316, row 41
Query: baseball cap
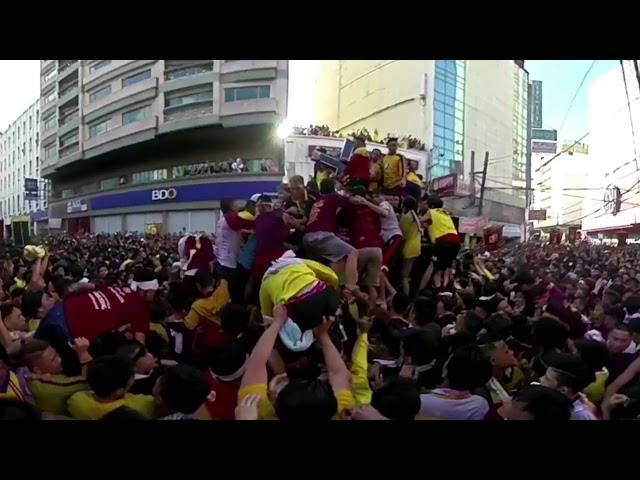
column 255, row 197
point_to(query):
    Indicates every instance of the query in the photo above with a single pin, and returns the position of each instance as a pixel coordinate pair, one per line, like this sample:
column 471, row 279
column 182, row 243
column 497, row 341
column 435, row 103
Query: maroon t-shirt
column 91, row 314
column 203, row 255
column 322, row 217
column 271, row 232
column 364, row 227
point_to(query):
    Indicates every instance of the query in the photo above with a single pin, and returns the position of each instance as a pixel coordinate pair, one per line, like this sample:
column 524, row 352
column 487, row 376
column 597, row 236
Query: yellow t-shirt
column 409, row 224
column 160, row 330
column 208, row 308
column 52, row 395
column 266, row 411
column 246, row 215
column 413, row 178
column 279, row 288
column 33, row 324
column 375, row 172
column 360, row 371
column 14, row 390
column 393, row 166
column 441, row 224
column 84, row 406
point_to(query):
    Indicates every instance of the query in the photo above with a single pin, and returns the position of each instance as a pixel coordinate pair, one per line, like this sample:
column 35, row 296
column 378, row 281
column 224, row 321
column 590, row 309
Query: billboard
column 548, row 135
column 445, row 186
column 538, row 214
column 536, row 114
column 544, row 147
column 31, row 189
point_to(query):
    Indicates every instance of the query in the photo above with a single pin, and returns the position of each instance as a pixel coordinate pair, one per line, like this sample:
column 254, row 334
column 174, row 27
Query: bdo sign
column 164, row 194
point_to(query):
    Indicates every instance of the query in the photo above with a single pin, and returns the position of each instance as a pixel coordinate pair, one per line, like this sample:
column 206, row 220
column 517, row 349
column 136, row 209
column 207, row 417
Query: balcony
column 231, row 66
column 121, row 132
column 66, row 68
column 189, row 111
column 90, row 76
column 187, row 76
column 121, row 98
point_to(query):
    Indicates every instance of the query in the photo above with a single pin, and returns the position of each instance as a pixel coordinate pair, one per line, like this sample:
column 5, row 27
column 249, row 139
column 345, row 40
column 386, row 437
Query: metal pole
column 472, row 179
column 528, row 191
column 483, row 185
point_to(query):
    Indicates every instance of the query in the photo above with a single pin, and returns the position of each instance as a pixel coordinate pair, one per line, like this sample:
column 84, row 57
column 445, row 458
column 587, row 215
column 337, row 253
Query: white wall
column 611, row 152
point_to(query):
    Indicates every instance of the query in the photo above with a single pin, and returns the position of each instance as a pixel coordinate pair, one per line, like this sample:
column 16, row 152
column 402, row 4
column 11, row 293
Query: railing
column 66, row 65
column 66, row 90
column 68, row 118
column 187, row 71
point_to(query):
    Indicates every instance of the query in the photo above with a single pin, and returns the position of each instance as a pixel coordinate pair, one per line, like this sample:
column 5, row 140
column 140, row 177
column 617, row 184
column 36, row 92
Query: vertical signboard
column 536, row 114
column 31, row 189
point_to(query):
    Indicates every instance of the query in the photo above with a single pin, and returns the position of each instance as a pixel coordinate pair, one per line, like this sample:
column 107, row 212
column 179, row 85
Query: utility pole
column 483, row 185
column 472, row 179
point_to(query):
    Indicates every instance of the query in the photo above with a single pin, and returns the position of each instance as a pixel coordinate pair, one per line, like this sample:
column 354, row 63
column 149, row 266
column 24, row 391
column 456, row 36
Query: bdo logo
column 167, row 194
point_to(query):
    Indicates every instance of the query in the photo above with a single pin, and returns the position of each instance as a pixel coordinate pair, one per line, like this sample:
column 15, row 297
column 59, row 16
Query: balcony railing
column 66, row 90
column 67, row 64
column 187, row 72
column 68, row 118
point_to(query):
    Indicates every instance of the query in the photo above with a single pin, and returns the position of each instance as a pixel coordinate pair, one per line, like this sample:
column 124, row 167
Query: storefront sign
column 445, row 186
column 538, row 215
column 77, row 206
column 201, row 192
column 40, row 216
column 165, row 194
column 472, row 224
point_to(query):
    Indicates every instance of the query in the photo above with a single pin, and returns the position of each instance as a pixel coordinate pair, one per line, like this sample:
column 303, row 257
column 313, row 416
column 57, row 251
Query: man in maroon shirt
column 197, row 252
column 364, row 234
column 271, row 233
column 320, row 239
column 90, row 313
column 357, row 172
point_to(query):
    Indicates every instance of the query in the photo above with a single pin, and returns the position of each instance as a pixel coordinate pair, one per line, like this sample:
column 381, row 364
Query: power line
column 575, row 95
column 633, row 132
column 563, row 151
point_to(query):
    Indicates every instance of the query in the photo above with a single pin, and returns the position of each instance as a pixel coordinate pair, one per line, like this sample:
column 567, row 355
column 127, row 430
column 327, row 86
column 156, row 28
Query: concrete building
column 454, row 106
column 133, row 143
column 20, row 160
column 562, row 184
column 614, row 169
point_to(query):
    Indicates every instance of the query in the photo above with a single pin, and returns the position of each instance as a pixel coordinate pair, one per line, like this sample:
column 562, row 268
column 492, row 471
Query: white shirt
column 389, row 226
column 228, row 244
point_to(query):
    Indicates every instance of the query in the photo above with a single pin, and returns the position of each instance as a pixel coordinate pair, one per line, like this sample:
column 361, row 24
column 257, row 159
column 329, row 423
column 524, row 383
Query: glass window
column 50, row 122
column 449, row 121
column 100, row 94
column 50, row 75
column 50, row 97
column 241, row 94
column 109, row 183
column 448, row 134
column 439, row 85
column 150, row 176
column 438, row 106
column 205, row 96
column 439, row 118
column 450, row 65
column 138, row 77
column 136, row 115
column 449, row 101
column 459, row 127
column 459, row 104
column 438, row 141
column 439, row 97
column 188, row 71
column 459, row 91
column 458, row 114
column 450, row 90
column 438, row 131
column 98, row 65
column 50, row 152
column 458, row 139
column 100, row 128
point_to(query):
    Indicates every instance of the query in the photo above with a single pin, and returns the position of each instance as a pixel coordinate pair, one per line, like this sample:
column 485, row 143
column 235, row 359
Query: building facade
column 20, row 160
column 133, row 143
column 454, row 107
column 614, row 169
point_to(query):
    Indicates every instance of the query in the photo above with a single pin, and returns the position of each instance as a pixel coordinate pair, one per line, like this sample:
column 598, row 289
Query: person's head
column 16, row 295
column 634, row 326
column 500, row 355
column 227, row 361
column 613, row 316
column 205, row 281
column 284, row 192
column 182, row 389
column 228, row 205
column 103, row 271
column 145, row 283
column 250, row 207
column 537, row 402
column 619, row 339
column 423, row 311
column 400, row 303
column 327, row 186
column 311, row 311
column 409, row 204
column 63, row 286
column 306, row 400
column 234, row 319
column 36, row 304
column 110, row 377
column 41, row 358
column 594, row 353
column 598, row 312
column 632, row 304
column 549, row 333
column 524, row 279
column 143, row 361
column 433, row 201
column 12, row 318
column 397, row 400
column 264, row 204
column 569, row 374
column 14, row 409
column 376, row 154
column 469, row 322
column 611, row 297
column 467, row 369
column 392, row 145
column 419, row 347
column 444, row 305
column 359, row 142
column 296, row 185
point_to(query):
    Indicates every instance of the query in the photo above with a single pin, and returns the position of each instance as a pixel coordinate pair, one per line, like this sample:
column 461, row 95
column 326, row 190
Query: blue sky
column 560, row 80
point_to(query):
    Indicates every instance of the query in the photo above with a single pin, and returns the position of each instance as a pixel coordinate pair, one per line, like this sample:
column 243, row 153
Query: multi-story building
column 20, row 160
column 613, row 204
column 455, row 107
column 561, row 187
column 130, row 144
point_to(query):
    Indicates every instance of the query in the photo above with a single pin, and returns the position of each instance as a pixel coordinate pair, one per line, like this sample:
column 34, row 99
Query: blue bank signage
column 204, row 192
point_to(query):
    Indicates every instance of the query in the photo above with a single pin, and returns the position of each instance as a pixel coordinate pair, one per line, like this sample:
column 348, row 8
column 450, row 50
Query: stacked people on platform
column 347, row 298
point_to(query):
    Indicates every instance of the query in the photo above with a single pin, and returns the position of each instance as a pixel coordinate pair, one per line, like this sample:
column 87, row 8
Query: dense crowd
column 346, row 298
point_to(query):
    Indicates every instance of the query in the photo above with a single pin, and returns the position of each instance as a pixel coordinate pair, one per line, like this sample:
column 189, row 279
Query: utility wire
column 575, row 95
column 633, row 132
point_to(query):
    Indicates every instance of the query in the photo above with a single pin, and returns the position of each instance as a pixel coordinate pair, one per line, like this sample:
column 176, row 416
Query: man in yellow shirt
column 110, row 378
column 445, row 240
column 300, row 399
column 394, row 170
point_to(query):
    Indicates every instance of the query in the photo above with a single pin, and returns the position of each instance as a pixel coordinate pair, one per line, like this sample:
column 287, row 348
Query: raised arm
column 339, row 375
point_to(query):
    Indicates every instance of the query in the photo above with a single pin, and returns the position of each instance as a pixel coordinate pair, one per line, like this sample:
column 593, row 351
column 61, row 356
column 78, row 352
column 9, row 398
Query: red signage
column 537, row 215
column 493, row 237
column 445, row 186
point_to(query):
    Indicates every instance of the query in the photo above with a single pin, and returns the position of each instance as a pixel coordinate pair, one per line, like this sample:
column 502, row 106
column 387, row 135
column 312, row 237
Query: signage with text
column 538, row 215
column 549, row 135
column 536, row 115
column 31, row 189
column 544, row 147
column 164, row 194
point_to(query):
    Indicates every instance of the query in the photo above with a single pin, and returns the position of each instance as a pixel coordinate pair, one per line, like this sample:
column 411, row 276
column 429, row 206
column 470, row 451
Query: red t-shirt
column 322, row 217
column 224, row 406
column 358, row 167
column 364, row 227
column 91, row 314
column 203, row 255
column 271, row 233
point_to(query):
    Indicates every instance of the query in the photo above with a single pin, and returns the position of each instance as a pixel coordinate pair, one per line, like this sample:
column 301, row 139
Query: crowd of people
column 345, row 298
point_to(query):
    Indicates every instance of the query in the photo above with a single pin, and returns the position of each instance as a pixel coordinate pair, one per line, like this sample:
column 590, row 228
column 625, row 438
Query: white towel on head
column 291, row 335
